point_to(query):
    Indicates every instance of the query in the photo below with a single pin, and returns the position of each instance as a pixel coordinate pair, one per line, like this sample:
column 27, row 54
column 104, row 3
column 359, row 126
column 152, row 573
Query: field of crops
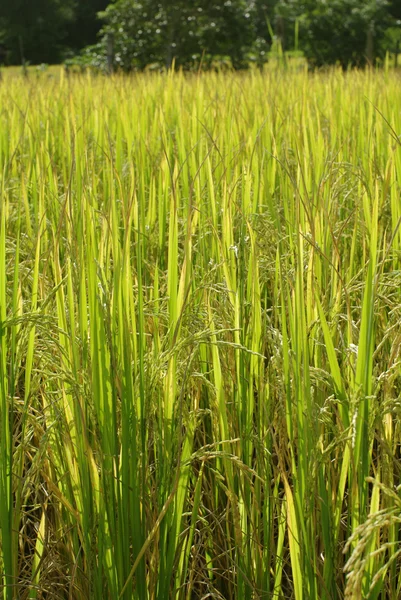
column 200, row 305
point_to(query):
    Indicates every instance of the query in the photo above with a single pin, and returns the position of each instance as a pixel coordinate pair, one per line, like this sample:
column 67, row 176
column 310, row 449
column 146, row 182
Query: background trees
column 83, row 29
column 350, row 32
column 149, row 32
column 34, row 31
column 190, row 32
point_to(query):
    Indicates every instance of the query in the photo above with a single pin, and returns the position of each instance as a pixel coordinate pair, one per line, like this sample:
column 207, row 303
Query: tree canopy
column 46, row 31
column 137, row 33
column 159, row 32
column 35, row 31
column 346, row 31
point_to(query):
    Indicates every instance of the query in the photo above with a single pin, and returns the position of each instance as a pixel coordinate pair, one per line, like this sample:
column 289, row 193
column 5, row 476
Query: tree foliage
column 159, row 32
column 194, row 32
column 349, row 32
column 84, row 28
column 35, row 31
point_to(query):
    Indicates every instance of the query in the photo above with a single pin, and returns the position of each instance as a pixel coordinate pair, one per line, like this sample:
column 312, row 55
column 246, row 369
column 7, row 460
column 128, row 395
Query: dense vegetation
column 133, row 34
column 46, row 31
column 200, row 299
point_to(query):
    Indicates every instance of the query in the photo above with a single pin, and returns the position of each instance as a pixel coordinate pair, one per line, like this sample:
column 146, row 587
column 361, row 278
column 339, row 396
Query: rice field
column 200, row 305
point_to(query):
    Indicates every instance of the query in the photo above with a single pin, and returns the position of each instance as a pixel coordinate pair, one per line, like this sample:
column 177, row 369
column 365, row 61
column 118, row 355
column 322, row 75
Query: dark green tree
column 286, row 15
column 262, row 13
column 84, row 29
column 34, row 31
column 164, row 31
column 394, row 8
column 392, row 41
column 349, row 32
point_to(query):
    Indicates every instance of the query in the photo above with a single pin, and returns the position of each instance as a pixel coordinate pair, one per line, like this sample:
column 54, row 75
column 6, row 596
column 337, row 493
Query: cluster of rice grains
column 200, row 299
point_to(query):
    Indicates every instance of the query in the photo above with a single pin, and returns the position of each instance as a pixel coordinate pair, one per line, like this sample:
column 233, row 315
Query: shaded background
column 128, row 34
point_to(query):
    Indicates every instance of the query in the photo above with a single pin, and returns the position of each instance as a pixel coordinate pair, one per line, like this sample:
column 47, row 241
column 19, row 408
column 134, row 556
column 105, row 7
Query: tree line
column 47, row 31
column 135, row 34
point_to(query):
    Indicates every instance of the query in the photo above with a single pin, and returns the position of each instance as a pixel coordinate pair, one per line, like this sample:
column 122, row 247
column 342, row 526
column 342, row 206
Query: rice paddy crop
column 200, row 304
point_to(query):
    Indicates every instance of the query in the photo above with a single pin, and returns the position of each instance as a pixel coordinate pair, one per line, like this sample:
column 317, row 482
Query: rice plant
column 200, row 369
